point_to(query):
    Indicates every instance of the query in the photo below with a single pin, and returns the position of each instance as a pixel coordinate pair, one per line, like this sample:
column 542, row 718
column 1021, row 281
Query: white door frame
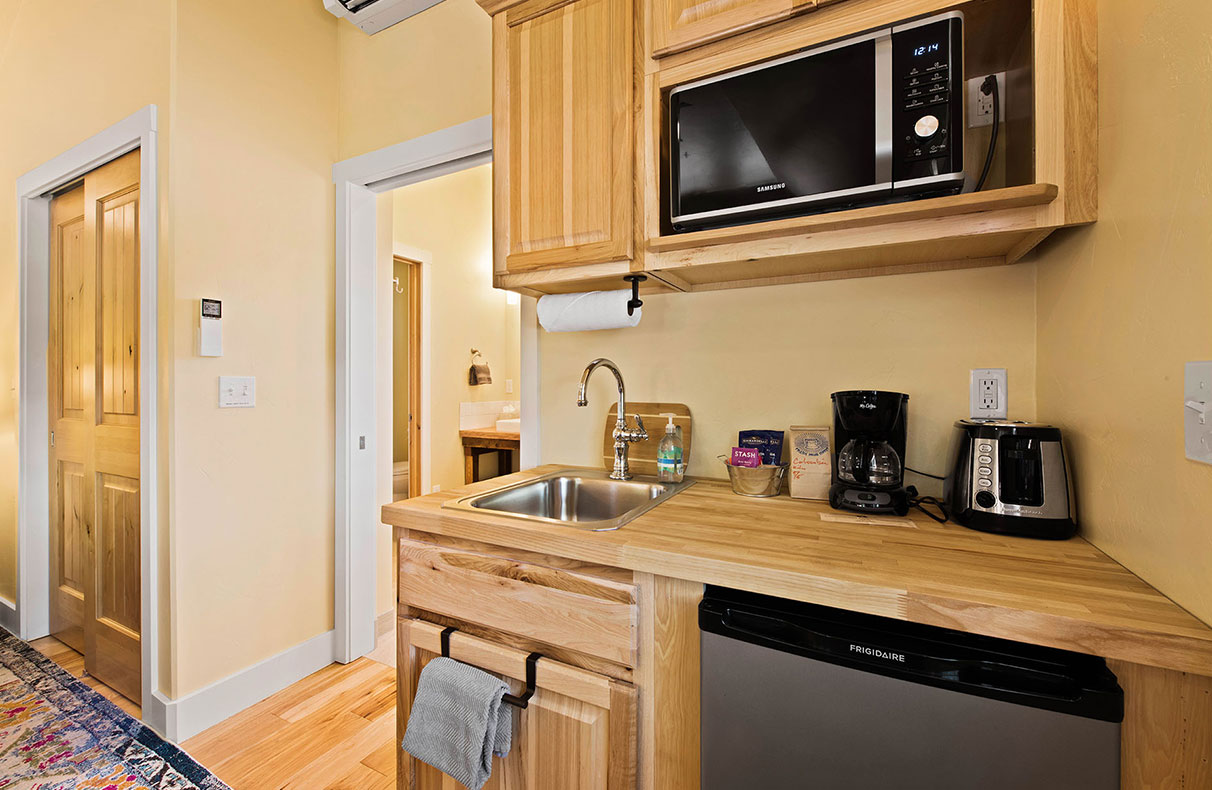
column 33, row 474
column 357, row 182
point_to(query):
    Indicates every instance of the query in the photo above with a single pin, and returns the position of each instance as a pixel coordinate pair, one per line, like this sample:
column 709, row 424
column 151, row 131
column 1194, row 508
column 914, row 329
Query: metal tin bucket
column 763, row 481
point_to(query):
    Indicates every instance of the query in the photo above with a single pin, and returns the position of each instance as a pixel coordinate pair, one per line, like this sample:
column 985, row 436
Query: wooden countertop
column 1064, row 594
column 489, row 433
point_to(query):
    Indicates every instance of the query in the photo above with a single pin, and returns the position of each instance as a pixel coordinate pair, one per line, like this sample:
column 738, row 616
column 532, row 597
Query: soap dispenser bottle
column 670, row 464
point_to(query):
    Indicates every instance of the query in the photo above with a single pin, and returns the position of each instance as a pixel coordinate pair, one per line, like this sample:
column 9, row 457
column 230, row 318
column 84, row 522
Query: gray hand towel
column 479, row 374
column 458, row 721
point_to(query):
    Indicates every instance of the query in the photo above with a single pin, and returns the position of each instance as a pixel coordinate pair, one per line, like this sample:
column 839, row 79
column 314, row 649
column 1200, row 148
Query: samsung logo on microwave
column 877, row 653
column 772, row 187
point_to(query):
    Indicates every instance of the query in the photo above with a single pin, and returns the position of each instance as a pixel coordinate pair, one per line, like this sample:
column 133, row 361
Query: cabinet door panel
column 578, row 732
column 568, row 167
column 681, row 24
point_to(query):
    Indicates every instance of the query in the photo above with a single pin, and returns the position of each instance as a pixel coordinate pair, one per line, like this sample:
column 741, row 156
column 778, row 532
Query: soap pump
column 671, row 465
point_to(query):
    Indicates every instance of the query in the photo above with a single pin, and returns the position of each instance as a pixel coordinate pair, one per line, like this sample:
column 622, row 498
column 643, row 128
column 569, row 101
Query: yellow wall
column 429, row 72
column 770, row 357
column 255, row 137
column 451, row 218
column 1123, row 304
column 64, row 78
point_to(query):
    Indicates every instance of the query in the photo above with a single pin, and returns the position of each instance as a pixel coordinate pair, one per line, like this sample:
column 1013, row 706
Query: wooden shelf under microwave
column 990, row 228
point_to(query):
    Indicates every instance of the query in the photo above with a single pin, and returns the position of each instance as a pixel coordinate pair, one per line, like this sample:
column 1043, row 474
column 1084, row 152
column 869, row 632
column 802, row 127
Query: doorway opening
column 87, row 528
column 364, row 466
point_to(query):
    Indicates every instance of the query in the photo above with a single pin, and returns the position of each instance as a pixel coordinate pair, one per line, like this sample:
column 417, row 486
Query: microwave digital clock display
column 926, row 49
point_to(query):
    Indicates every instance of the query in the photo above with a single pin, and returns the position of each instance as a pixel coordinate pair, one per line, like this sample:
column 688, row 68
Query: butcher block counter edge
column 1064, row 594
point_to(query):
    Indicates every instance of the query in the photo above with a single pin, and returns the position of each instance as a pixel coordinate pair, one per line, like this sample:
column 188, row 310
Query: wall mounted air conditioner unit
column 373, row 16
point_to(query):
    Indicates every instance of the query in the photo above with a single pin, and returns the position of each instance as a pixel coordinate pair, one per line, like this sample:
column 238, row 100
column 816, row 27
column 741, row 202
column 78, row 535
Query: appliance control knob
column 926, row 126
column 985, row 499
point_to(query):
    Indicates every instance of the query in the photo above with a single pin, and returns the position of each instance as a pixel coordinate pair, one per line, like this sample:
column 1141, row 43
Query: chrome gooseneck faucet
column 622, row 434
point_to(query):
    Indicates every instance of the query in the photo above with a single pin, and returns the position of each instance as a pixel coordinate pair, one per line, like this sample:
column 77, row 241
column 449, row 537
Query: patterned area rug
column 57, row 733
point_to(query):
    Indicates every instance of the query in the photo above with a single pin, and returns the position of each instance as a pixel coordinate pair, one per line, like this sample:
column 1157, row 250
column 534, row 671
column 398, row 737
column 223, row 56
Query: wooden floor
column 73, row 662
column 333, row 730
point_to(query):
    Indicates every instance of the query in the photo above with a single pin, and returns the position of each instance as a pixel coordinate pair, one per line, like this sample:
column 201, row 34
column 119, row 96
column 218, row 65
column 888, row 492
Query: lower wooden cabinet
column 578, row 732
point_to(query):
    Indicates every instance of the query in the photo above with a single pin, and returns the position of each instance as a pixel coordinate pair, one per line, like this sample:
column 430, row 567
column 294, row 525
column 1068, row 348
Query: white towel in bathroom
column 458, row 721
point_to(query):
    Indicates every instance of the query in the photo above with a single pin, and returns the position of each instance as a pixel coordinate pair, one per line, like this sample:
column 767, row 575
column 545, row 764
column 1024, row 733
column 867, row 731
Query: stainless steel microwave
column 873, row 118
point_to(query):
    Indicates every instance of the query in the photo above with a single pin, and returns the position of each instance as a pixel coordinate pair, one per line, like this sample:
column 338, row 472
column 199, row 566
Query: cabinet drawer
column 577, row 733
column 583, row 613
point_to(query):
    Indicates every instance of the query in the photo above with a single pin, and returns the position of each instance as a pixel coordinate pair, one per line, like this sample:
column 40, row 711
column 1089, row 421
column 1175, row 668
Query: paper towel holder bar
column 634, row 302
column 520, row 701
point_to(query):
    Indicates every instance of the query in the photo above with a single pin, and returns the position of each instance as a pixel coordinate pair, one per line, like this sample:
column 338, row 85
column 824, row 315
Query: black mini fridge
column 804, row 697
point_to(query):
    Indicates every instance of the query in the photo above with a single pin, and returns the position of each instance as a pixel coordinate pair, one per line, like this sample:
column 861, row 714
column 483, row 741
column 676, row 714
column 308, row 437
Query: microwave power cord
column 989, row 87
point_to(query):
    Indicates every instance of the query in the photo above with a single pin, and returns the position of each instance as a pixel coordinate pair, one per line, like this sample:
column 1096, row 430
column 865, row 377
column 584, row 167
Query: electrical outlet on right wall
column 987, row 394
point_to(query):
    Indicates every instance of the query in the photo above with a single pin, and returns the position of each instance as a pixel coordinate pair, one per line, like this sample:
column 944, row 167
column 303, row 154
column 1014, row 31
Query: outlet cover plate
column 975, row 115
column 237, row 392
column 1197, row 411
column 987, row 394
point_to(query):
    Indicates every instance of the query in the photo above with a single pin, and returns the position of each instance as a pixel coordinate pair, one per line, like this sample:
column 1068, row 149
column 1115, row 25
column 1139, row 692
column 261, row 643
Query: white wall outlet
column 237, row 392
column 508, row 386
column 980, row 106
column 436, row 489
column 1197, row 411
column 987, row 394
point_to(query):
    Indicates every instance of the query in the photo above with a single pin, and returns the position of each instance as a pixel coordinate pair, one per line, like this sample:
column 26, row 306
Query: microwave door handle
column 883, row 109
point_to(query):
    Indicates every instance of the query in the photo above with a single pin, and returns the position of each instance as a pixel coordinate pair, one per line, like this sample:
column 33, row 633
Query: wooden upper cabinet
column 681, row 24
column 564, row 165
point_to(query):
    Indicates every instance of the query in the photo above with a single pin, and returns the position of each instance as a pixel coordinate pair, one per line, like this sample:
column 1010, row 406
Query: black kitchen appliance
column 1010, row 478
column 802, row 696
column 872, row 118
column 869, row 452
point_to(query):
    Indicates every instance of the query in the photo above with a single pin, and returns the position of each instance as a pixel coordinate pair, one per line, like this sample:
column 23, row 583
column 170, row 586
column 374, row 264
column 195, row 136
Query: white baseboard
column 8, row 615
column 384, row 623
column 182, row 718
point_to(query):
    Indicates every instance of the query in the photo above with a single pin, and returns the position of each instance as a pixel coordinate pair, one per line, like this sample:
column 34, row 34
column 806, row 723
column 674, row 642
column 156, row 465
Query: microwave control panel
column 927, row 101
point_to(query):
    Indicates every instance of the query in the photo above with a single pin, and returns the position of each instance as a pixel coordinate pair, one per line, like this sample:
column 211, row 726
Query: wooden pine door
column 563, row 155
column 94, row 410
column 578, row 732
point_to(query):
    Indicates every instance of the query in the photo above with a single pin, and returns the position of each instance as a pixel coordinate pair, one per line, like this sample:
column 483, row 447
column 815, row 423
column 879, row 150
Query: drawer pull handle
column 523, row 699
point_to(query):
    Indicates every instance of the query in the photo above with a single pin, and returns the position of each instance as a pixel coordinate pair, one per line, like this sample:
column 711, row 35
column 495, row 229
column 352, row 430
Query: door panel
column 118, row 544
column 94, row 391
column 69, row 555
column 69, row 389
column 112, row 616
column 569, row 167
column 118, row 309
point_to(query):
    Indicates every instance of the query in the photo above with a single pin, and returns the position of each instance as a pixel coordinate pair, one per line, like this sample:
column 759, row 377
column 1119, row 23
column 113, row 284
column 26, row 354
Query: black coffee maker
column 869, row 452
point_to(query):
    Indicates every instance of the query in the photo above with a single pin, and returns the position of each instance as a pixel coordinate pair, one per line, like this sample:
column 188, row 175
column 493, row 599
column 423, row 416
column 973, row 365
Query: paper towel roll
column 585, row 312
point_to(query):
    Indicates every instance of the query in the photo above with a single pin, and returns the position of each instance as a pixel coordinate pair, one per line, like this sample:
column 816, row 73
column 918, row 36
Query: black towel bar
column 523, row 699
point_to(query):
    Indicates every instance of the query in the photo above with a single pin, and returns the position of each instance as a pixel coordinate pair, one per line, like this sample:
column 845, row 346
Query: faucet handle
column 639, row 422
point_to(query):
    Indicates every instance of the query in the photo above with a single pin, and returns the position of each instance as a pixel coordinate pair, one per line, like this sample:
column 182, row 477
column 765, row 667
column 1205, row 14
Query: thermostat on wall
column 210, row 329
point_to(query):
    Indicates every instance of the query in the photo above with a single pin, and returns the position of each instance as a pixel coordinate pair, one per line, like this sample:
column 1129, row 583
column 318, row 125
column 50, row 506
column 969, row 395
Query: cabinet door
column 563, row 150
column 681, row 24
column 578, row 732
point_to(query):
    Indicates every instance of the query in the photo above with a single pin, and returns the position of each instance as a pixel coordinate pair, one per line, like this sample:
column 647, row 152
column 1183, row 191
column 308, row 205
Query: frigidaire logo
column 875, row 652
column 771, row 187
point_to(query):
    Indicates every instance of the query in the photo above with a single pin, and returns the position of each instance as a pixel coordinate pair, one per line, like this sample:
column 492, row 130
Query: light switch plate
column 237, row 392
column 987, row 394
column 1197, row 411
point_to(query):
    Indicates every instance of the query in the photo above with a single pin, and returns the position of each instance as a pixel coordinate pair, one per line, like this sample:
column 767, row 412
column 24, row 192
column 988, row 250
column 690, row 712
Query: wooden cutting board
column 642, row 456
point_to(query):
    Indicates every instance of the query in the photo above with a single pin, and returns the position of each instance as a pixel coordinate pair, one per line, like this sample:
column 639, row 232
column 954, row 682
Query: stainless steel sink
column 584, row 499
